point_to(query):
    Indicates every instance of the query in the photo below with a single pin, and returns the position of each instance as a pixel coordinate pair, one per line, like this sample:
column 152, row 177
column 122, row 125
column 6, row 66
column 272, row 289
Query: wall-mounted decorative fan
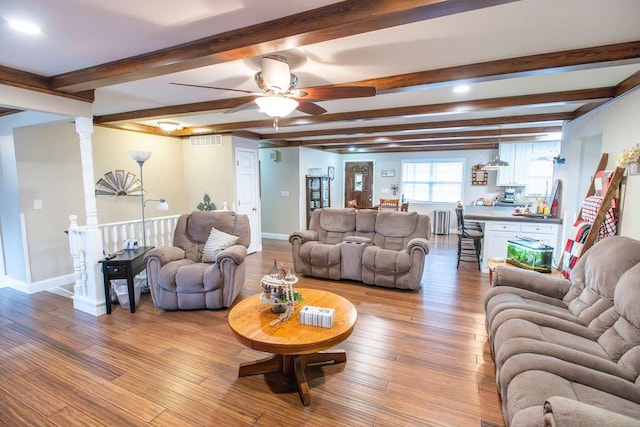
column 278, row 96
column 118, row 183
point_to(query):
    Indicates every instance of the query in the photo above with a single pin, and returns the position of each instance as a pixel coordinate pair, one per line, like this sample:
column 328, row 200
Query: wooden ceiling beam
column 173, row 111
column 585, row 95
column 628, row 84
column 326, row 23
column 524, row 66
column 587, row 108
column 425, row 141
column 420, row 148
column 136, row 127
column 12, row 75
column 8, row 111
column 529, row 118
column 488, row 133
column 34, row 82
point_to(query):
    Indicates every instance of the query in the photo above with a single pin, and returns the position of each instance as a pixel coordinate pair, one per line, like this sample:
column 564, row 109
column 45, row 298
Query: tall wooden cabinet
column 318, row 194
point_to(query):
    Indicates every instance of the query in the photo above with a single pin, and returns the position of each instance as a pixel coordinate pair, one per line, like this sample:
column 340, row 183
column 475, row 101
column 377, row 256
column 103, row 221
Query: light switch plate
column 37, row 204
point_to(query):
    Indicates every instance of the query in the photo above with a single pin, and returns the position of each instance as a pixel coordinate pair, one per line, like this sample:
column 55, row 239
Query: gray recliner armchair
column 179, row 280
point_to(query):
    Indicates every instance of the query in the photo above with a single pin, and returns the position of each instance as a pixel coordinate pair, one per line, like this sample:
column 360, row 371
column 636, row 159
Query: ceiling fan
column 279, row 97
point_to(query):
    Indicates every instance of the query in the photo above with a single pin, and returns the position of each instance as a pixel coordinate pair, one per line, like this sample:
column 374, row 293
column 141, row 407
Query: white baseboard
column 275, row 236
column 43, row 285
column 88, row 306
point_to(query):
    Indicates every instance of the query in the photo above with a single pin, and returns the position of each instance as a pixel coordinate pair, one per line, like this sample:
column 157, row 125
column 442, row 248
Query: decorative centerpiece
column 629, row 158
column 277, row 289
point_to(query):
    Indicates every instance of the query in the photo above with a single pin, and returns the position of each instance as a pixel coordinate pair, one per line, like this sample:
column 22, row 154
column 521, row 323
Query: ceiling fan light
column 168, row 126
column 276, row 106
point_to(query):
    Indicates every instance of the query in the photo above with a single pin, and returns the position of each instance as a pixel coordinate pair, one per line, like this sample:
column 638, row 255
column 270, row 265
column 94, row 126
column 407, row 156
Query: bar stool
column 470, row 237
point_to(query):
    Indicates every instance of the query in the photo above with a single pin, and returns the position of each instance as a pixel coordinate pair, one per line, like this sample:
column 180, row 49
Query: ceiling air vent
column 206, row 141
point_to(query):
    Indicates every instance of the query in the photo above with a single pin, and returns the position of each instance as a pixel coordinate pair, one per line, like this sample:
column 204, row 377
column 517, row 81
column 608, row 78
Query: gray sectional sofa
column 375, row 247
column 567, row 352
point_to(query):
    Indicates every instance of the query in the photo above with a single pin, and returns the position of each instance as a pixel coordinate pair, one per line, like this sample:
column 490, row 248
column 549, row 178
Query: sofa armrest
column 561, row 411
column 165, row 254
column 357, row 239
column 235, row 253
column 303, row 236
column 554, row 287
column 420, row 244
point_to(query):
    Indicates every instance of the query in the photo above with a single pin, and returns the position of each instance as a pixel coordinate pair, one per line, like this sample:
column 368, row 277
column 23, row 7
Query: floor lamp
column 141, row 157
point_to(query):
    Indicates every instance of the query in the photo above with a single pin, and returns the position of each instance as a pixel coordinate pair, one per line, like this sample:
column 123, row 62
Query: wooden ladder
column 608, row 197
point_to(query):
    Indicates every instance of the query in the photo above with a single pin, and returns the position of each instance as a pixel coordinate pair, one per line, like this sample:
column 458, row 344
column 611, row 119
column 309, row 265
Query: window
column 540, row 168
column 540, row 177
column 432, row 181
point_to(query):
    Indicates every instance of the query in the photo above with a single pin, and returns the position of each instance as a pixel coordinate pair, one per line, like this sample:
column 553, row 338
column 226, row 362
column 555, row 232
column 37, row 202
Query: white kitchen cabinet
column 518, row 155
column 498, row 233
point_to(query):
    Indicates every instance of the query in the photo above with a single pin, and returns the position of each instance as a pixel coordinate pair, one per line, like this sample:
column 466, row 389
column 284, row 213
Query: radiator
column 441, row 222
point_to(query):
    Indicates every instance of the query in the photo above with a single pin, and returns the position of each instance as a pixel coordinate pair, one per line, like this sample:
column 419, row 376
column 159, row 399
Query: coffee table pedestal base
column 293, row 366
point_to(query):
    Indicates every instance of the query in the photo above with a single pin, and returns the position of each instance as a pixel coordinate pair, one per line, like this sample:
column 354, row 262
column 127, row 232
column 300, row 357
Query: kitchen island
column 500, row 226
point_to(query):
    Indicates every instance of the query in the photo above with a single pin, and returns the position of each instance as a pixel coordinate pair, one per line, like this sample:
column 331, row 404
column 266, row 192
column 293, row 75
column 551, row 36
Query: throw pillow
column 217, row 241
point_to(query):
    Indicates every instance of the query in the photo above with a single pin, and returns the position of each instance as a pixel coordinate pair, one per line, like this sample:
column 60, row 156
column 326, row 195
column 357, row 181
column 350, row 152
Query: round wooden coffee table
column 294, row 346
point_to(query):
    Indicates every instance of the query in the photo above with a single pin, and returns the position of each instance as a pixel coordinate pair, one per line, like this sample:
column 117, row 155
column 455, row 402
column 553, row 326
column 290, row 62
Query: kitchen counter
column 498, row 213
column 500, row 226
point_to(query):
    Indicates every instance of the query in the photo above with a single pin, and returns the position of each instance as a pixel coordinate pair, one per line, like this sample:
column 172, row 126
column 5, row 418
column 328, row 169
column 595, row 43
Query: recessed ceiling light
column 24, row 27
column 461, row 89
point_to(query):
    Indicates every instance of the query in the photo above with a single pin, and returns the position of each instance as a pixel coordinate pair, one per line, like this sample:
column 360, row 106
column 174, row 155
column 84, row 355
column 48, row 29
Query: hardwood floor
column 414, row 359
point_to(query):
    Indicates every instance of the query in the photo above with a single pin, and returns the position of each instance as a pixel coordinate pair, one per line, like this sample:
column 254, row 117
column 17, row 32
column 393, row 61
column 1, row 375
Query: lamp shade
column 140, row 156
column 276, row 106
column 162, row 204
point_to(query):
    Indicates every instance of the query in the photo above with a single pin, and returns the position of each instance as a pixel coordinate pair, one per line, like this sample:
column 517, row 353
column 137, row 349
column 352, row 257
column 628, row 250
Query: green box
column 530, row 254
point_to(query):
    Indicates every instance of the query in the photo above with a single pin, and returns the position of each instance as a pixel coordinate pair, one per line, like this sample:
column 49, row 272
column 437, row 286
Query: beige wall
column 163, row 173
column 49, row 169
column 280, row 213
column 208, row 169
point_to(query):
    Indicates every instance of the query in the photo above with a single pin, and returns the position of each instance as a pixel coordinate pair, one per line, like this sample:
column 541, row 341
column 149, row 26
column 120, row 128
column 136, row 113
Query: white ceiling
column 77, row 34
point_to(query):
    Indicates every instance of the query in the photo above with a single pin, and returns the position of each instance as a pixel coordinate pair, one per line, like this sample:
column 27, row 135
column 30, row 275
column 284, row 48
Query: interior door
column 248, row 194
column 358, row 183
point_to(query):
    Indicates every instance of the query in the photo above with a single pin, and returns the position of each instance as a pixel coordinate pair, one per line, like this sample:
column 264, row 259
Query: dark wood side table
column 123, row 266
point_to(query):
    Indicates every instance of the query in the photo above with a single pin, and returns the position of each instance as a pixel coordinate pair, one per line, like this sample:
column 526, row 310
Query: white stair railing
column 159, row 232
column 84, row 244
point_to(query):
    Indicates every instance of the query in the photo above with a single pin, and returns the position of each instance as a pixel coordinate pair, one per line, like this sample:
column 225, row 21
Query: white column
column 90, row 298
column 84, row 128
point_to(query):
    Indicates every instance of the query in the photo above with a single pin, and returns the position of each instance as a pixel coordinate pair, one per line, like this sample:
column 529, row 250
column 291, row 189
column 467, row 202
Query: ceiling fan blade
column 338, row 92
column 212, row 87
column 242, row 107
column 309, row 107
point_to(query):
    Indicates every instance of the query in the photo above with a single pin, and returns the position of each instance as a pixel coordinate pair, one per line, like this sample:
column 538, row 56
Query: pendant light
column 496, row 163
